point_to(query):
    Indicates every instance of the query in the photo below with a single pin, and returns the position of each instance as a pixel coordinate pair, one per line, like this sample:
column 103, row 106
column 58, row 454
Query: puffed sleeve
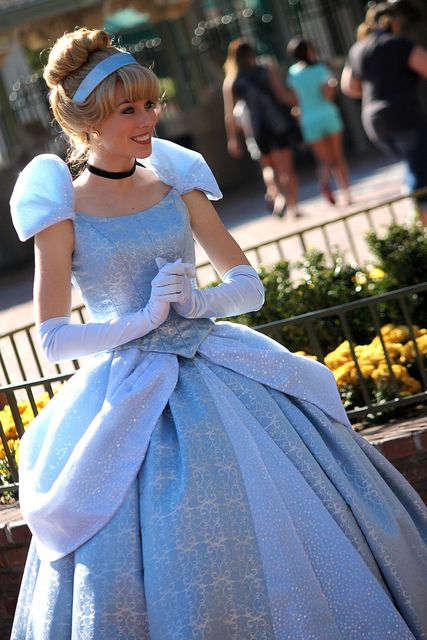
column 43, row 195
column 181, row 168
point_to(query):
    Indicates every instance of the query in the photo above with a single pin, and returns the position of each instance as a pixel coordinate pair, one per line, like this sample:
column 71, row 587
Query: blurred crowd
column 271, row 116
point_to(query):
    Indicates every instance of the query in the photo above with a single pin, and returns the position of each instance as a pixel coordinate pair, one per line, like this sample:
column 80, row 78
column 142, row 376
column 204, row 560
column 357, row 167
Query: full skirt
column 253, row 517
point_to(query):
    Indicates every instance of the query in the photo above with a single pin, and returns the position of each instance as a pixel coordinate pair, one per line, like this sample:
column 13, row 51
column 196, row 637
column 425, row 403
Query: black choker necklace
column 114, row 175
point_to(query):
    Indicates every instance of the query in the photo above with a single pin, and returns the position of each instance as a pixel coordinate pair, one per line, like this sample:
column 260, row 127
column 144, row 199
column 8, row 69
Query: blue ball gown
column 201, row 482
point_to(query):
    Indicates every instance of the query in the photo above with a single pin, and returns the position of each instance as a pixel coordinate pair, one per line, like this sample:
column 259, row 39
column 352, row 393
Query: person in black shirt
column 268, row 125
column 383, row 68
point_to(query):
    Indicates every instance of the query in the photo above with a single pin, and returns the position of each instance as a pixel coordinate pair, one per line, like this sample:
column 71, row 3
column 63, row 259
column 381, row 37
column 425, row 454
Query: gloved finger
column 162, row 279
column 188, row 267
column 167, row 290
column 183, row 297
column 160, row 262
column 178, row 267
column 175, row 297
column 191, row 270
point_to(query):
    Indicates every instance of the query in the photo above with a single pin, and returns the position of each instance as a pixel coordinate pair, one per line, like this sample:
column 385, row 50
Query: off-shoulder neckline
column 79, row 214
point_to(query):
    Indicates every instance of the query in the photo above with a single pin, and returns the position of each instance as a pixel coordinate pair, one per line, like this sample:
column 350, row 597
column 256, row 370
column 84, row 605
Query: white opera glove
column 241, row 291
column 61, row 340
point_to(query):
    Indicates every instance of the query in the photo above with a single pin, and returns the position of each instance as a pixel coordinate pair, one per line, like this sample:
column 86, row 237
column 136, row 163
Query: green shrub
column 401, row 259
column 402, row 254
column 321, row 285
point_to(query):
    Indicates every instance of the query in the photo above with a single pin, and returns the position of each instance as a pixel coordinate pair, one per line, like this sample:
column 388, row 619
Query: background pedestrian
column 320, row 119
column 383, row 68
column 269, row 122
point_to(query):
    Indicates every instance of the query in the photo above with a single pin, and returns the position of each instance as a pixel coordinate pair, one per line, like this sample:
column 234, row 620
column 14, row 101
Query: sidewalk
column 248, row 218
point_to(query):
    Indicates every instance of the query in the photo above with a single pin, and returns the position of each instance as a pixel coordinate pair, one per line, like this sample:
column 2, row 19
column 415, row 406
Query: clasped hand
column 172, row 285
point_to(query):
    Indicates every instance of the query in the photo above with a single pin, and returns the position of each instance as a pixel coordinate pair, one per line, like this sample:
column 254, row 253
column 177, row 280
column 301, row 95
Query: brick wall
column 14, row 540
column 403, row 443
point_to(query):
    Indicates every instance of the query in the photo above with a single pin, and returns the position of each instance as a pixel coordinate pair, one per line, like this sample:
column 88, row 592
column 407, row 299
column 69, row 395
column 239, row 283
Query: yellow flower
column 407, row 385
column 385, row 330
column 407, row 352
column 307, row 355
column 360, row 278
column 422, row 344
column 372, row 360
column 398, row 334
column 340, row 356
column 376, row 274
column 334, row 360
column 345, row 374
column 27, row 416
column 344, row 348
column 43, row 399
column 367, row 369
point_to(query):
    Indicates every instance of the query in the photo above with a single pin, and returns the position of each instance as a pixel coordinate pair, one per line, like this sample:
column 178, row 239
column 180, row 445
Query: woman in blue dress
column 193, row 480
column 320, row 119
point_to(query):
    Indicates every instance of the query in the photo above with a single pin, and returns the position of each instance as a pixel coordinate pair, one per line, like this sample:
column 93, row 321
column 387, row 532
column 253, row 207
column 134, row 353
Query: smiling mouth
column 142, row 139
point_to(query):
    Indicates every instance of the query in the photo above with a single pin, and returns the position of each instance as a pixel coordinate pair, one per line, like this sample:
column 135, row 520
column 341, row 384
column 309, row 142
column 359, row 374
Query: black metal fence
column 341, row 233
column 21, row 358
column 15, row 398
column 402, row 377
column 402, row 380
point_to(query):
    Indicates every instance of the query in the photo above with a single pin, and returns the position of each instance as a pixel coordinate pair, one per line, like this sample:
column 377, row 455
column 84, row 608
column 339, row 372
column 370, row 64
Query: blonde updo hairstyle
column 72, row 57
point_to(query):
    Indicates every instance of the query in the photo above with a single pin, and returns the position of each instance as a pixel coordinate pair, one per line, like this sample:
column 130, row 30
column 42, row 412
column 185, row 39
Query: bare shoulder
column 148, row 179
column 151, row 189
column 80, row 188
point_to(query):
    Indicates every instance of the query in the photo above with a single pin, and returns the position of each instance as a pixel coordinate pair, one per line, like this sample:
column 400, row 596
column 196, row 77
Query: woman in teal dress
column 194, row 480
column 320, row 119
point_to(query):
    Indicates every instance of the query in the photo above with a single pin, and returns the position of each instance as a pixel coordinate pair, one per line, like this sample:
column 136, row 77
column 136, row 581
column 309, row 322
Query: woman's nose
column 146, row 116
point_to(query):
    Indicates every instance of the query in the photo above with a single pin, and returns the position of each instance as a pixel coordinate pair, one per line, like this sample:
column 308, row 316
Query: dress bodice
column 114, row 264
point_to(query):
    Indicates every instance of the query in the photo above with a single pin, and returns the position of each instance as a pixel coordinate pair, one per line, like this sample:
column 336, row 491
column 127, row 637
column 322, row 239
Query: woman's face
column 127, row 131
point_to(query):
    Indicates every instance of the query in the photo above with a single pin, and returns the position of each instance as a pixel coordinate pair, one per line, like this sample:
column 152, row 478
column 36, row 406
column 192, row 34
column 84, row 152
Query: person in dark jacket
column 383, row 68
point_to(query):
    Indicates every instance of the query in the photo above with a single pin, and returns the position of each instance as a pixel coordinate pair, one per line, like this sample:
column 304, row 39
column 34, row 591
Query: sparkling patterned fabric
column 203, row 483
column 43, row 195
column 103, row 247
column 253, row 516
column 182, row 168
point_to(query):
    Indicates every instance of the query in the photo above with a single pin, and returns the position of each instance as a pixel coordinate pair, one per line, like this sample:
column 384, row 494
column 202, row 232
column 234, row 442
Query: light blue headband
column 101, row 71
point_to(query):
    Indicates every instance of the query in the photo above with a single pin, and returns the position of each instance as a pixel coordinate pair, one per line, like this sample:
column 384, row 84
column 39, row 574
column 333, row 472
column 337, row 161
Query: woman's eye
column 150, row 105
column 128, row 110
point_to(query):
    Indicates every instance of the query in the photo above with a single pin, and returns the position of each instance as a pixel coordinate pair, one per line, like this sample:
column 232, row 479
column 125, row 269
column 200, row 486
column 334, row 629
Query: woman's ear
column 94, row 137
